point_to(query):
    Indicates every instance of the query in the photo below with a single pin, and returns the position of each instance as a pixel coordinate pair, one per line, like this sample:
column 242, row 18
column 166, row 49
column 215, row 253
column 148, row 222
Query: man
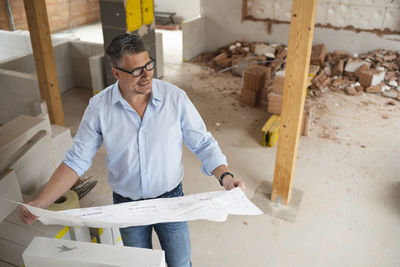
column 142, row 122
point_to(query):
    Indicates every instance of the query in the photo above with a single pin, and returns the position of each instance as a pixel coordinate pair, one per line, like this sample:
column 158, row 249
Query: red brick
column 83, row 12
column 338, row 68
column 318, row 54
column 254, row 78
column 375, row 89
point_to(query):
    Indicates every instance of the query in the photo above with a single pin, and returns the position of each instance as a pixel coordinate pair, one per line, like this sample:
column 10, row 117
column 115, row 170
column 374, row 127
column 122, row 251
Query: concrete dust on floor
column 347, row 167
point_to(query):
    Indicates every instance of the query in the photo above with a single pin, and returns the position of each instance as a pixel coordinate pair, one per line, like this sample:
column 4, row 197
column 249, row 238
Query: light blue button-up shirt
column 144, row 156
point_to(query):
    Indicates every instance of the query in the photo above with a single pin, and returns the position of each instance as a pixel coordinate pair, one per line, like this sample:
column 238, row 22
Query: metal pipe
column 10, row 16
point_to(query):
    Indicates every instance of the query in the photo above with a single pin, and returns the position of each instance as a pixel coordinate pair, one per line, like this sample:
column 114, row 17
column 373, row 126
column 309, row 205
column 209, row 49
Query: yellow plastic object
column 62, row 232
column 133, row 10
column 270, row 131
column 273, row 133
column 312, row 73
column 147, row 11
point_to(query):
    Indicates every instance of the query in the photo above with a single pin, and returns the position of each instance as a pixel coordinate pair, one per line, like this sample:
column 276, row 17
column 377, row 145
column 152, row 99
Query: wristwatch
column 222, row 177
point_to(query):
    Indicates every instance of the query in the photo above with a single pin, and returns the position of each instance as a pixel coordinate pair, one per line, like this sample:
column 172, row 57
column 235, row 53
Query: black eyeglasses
column 139, row 70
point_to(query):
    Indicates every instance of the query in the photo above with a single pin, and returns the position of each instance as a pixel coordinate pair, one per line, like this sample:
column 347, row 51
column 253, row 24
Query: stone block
column 44, row 252
column 10, row 190
column 36, row 166
column 19, row 83
column 18, row 131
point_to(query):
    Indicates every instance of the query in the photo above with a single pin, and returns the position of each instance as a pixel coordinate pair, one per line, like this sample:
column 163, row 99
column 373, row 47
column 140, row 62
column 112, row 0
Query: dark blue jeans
column 174, row 237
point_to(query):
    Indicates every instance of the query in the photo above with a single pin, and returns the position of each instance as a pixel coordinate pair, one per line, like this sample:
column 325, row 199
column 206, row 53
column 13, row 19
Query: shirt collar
column 156, row 94
column 116, row 94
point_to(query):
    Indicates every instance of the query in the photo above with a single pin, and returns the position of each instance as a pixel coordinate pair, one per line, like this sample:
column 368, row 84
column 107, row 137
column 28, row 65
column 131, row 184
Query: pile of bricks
column 240, row 55
column 275, row 99
column 254, row 79
column 374, row 72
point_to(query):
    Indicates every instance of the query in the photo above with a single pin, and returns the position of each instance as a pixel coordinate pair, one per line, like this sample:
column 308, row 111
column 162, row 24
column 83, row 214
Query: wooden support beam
column 297, row 66
column 36, row 15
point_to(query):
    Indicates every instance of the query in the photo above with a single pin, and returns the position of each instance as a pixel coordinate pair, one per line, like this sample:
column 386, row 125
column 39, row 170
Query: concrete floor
column 348, row 168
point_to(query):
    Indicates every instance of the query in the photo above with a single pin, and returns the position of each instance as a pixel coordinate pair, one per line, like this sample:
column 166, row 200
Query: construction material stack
column 253, row 84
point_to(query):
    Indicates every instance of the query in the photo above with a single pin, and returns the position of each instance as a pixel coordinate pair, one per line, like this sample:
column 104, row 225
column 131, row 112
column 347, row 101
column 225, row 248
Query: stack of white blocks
column 43, row 252
column 29, row 174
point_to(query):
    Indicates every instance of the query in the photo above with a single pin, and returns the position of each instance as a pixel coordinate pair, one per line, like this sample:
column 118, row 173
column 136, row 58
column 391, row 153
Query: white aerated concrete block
column 10, row 190
column 80, row 233
column 97, row 72
column 15, row 236
column 60, row 135
column 193, row 33
column 60, row 151
column 36, row 166
column 46, row 252
column 159, row 55
column 61, row 142
column 37, row 228
column 17, row 132
column 353, row 64
column 377, row 78
column 39, row 108
column 11, row 252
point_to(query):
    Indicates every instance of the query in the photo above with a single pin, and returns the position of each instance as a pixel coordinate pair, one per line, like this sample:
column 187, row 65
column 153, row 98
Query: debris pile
column 374, row 72
column 238, row 56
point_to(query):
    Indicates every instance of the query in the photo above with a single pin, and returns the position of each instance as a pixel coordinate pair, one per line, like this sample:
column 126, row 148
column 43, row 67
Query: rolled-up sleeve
column 86, row 142
column 199, row 140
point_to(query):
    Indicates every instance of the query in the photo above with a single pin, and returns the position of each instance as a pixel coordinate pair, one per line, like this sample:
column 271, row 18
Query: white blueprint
column 213, row 206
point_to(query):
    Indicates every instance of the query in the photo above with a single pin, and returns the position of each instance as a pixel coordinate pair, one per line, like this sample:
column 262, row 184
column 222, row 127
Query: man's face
column 134, row 85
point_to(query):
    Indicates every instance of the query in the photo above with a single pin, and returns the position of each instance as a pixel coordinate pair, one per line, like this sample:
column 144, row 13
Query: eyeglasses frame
column 142, row 68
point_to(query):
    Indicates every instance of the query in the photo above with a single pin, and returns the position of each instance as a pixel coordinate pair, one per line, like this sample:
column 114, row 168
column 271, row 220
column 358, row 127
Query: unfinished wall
column 17, row 43
column 187, row 9
column 361, row 14
column 193, row 34
column 19, row 86
column 223, row 26
column 63, row 14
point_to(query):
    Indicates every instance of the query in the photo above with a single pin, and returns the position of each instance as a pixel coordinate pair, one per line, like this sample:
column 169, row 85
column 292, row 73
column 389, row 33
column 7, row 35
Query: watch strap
column 223, row 176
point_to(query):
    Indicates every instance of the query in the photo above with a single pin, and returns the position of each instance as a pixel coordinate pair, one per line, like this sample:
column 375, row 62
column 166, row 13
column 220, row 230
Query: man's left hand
column 230, row 183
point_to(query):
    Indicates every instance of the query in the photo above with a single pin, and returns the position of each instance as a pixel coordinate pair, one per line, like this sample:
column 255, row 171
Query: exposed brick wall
column 4, row 22
column 63, row 14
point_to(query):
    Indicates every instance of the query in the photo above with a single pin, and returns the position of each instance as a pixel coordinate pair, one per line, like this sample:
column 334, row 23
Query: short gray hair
column 124, row 44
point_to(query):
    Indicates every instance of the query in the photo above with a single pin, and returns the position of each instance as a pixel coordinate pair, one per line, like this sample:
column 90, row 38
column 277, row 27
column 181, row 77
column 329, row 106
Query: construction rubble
column 262, row 67
column 374, row 72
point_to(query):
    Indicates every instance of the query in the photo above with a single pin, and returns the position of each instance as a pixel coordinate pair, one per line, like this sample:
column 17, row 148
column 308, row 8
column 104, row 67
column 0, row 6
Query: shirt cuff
column 75, row 167
column 212, row 163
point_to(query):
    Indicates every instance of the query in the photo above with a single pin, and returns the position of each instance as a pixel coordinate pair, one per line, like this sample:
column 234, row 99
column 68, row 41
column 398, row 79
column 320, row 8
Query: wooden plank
column 296, row 78
column 36, row 15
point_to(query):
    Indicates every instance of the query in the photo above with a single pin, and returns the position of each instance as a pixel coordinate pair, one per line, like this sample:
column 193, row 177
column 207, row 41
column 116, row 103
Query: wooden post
column 36, row 15
column 296, row 74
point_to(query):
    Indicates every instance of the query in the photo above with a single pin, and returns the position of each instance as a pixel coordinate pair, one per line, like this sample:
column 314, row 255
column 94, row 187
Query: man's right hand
column 25, row 215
